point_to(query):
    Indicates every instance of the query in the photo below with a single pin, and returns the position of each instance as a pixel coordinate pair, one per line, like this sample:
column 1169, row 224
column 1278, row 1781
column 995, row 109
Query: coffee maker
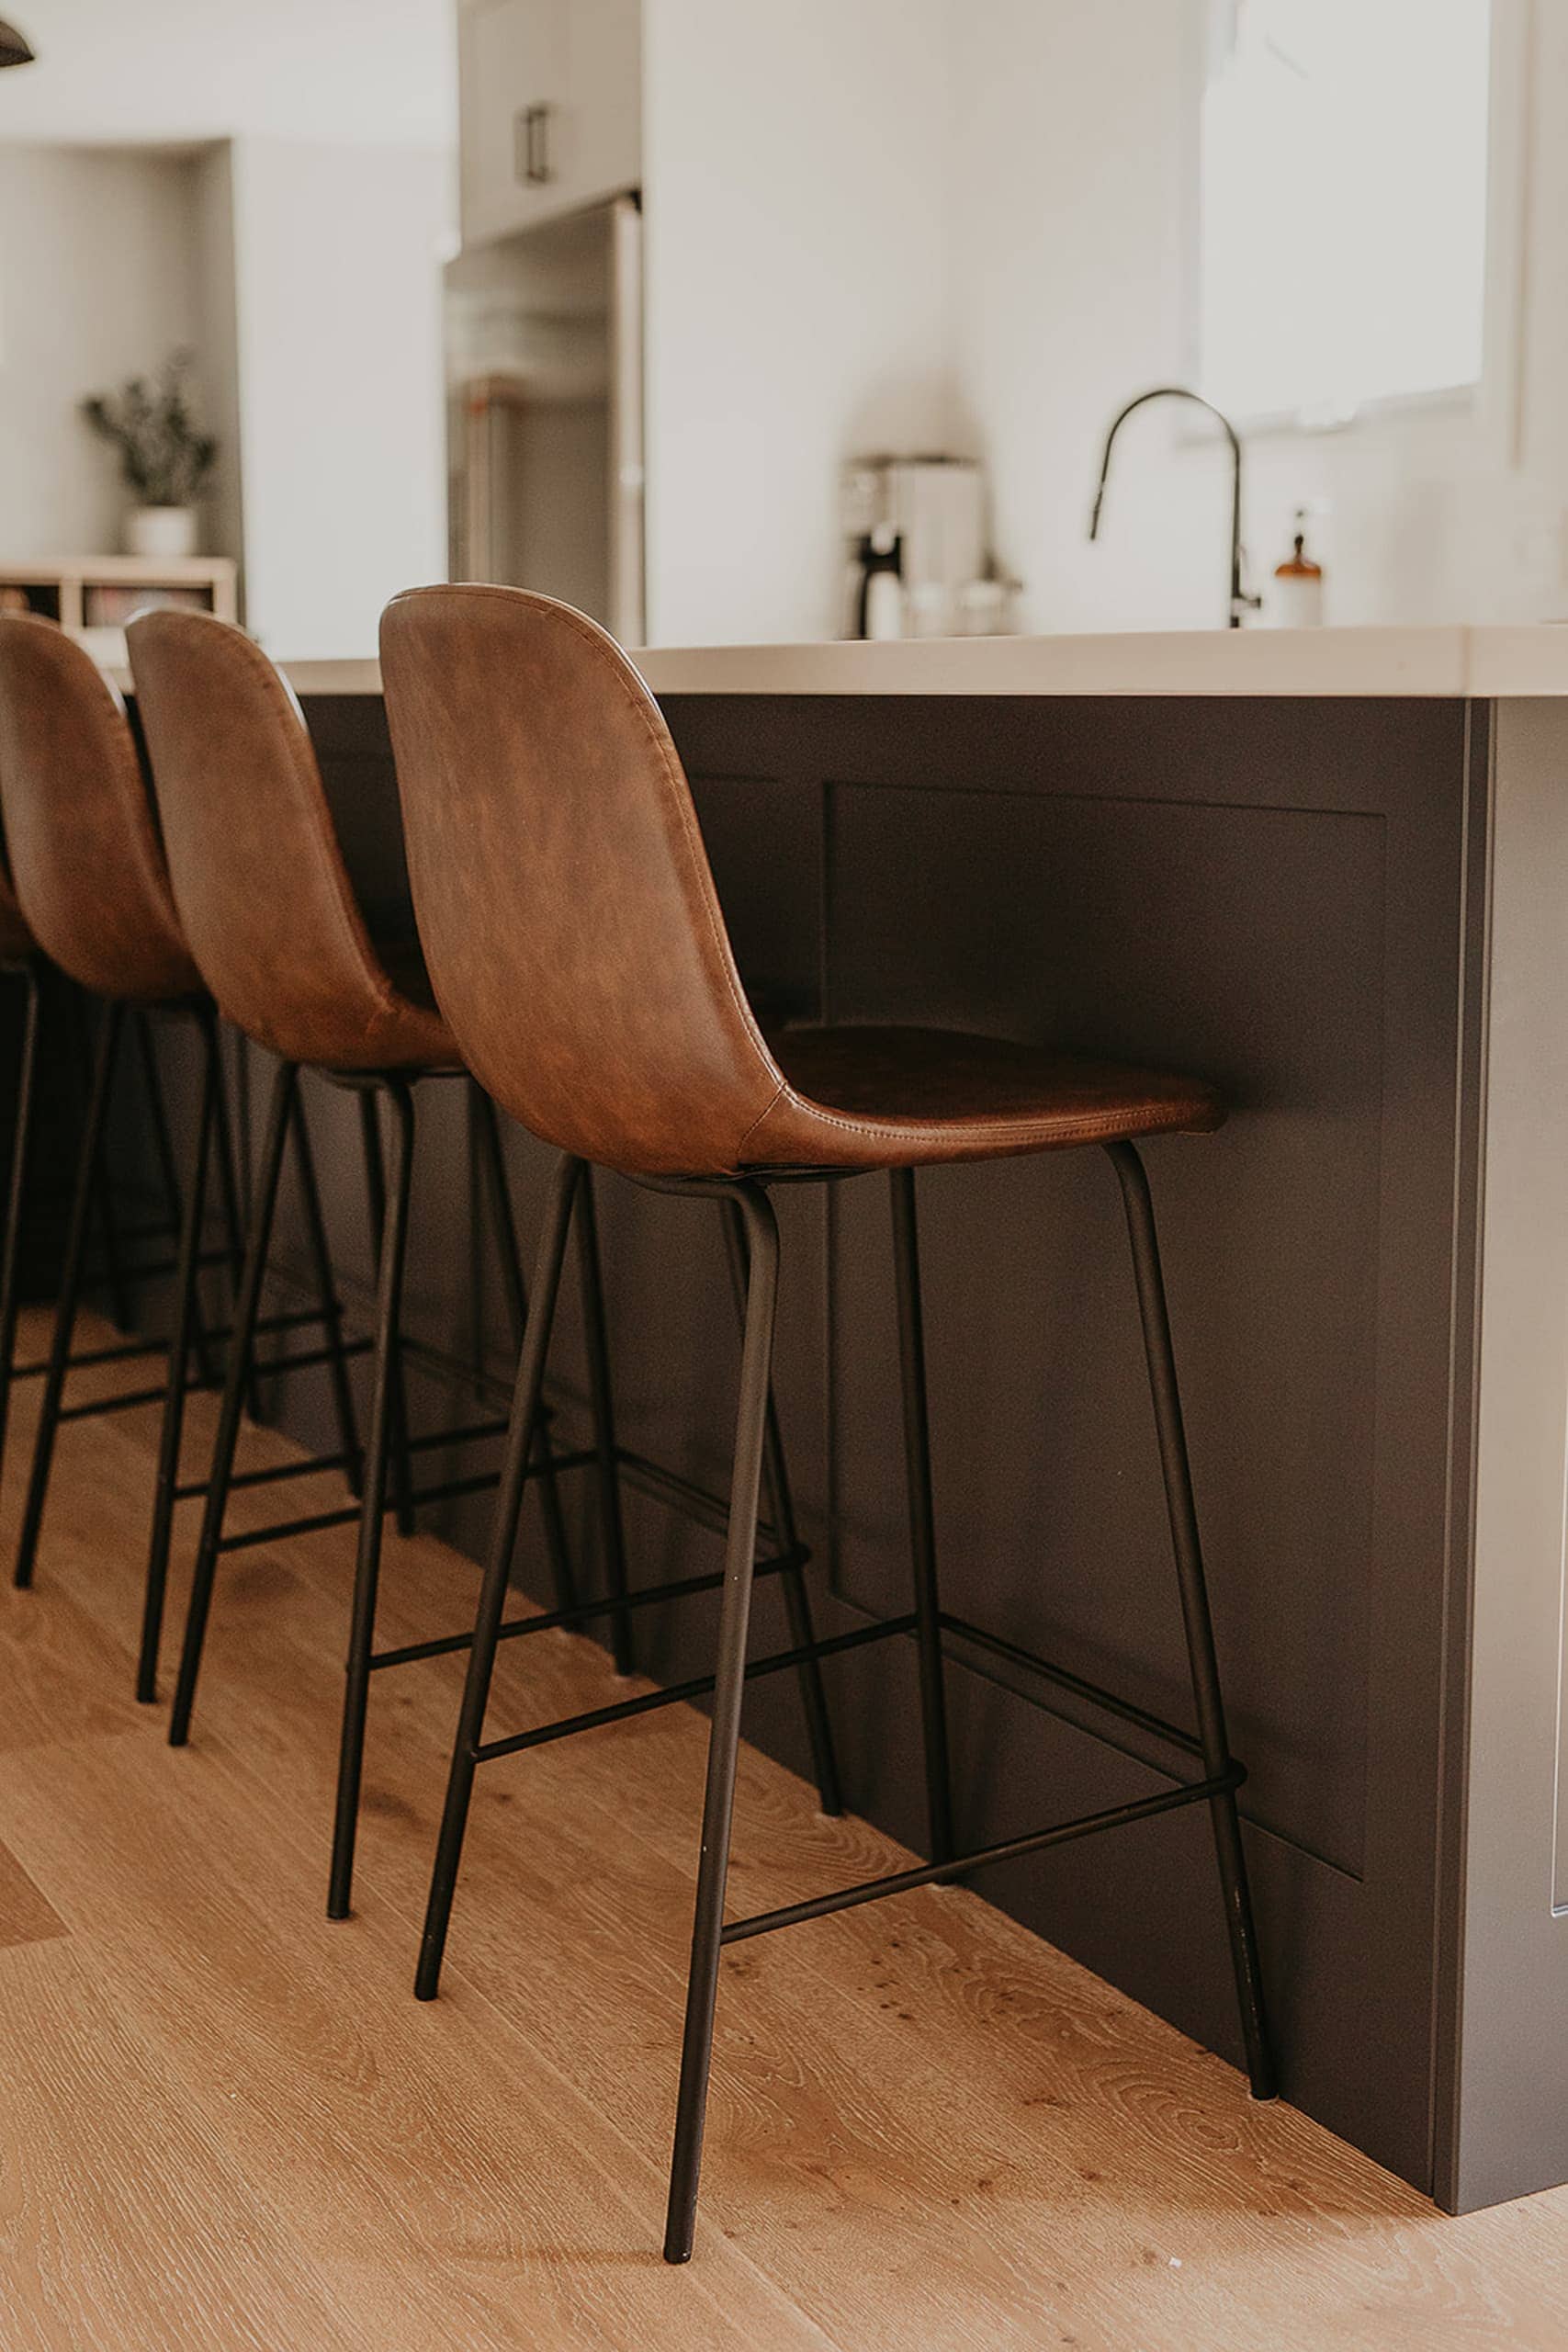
column 923, row 520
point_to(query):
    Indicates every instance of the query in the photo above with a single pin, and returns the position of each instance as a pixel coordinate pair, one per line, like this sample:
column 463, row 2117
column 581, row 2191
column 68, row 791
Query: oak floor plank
column 120, row 2226
column 25, row 1917
column 928, row 2128
column 372, row 2127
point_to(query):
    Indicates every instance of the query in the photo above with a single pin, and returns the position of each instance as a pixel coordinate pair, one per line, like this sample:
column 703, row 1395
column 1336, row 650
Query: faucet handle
column 1243, row 600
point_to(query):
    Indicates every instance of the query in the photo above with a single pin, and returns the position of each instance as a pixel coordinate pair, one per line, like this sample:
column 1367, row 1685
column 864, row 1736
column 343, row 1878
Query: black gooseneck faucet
column 1240, row 602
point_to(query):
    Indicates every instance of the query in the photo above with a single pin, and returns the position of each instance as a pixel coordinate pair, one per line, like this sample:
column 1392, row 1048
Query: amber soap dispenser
column 1297, row 598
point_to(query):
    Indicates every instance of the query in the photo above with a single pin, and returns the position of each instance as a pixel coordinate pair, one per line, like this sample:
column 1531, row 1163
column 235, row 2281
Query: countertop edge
column 1489, row 663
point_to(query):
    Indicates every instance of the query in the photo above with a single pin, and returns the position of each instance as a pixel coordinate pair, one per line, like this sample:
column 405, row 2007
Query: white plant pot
column 158, row 534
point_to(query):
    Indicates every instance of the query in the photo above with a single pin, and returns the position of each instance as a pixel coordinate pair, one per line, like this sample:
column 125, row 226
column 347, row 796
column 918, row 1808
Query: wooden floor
column 225, row 2123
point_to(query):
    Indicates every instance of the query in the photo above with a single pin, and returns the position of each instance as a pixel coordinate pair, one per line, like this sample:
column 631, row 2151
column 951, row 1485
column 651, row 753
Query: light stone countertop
column 1490, row 662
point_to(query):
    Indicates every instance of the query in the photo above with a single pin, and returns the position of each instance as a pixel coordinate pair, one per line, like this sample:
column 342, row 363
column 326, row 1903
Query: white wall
column 98, row 282
column 337, row 255
column 1073, row 175
column 798, row 274
column 969, row 224
column 115, row 73
column 1067, row 180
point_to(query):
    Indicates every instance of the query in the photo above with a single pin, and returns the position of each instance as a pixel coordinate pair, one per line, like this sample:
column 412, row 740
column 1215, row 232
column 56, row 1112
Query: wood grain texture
column 25, row 1917
column 227, row 2122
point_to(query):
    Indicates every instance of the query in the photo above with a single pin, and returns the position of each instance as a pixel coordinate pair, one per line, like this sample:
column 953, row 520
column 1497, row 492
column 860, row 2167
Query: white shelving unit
column 92, row 596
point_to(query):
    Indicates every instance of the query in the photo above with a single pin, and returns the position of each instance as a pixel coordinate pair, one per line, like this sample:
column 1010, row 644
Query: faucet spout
column 1240, row 602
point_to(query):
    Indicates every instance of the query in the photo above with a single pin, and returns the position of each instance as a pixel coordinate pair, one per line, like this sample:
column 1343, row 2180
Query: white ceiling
column 179, row 72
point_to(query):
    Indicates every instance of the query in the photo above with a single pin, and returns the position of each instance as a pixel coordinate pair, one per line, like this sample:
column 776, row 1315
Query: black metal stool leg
column 17, row 1189
column 1177, row 1473
column 498, row 1568
column 111, row 1027
column 724, row 1738
column 179, row 1365
column 332, row 1312
column 781, row 1508
column 608, row 1469
column 113, row 1277
column 158, row 1118
column 280, row 1114
column 387, row 1430
column 168, row 1175
column 494, row 1172
column 233, row 1227
column 923, row 1525
column 376, row 1193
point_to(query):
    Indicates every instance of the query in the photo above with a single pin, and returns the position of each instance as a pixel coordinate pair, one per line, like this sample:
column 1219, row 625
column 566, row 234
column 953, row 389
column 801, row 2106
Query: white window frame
column 1493, row 403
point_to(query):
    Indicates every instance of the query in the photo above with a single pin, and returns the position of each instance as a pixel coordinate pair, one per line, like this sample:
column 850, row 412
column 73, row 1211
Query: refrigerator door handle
column 628, row 618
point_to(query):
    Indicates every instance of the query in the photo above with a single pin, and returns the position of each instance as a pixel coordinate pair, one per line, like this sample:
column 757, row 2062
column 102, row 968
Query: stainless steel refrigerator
column 544, row 348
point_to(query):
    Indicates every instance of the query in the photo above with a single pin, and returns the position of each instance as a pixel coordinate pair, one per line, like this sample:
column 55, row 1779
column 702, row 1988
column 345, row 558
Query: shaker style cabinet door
column 550, row 109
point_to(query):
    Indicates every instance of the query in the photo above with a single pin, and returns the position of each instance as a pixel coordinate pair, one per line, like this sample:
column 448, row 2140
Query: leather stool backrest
column 257, row 869
column 565, row 905
column 80, row 832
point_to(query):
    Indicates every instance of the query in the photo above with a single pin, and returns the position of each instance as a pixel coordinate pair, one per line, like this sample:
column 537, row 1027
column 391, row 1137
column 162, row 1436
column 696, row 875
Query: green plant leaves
column 164, row 460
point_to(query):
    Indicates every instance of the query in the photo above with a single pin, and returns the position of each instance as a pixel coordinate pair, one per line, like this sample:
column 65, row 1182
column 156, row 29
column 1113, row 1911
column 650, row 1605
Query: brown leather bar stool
column 280, row 939
column 557, row 865
column 22, row 959
column 93, row 892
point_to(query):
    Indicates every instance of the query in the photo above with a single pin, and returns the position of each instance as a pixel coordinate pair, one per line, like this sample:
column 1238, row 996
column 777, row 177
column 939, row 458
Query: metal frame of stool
column 115, row 1274
column 610, row 1461
column 385, row 1478
column 1222, row 1775
column 190, row 1335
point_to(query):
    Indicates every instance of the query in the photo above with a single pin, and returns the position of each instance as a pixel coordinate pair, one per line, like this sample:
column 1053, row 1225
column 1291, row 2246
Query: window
column 1344, row 203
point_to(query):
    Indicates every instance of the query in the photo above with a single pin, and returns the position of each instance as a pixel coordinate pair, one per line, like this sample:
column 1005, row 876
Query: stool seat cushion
column 878, row 1097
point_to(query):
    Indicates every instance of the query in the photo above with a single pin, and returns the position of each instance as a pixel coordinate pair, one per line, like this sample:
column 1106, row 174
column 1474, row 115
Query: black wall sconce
column 14, row 49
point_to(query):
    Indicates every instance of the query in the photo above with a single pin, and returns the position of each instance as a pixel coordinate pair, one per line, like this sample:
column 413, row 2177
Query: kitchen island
column 1328, row 871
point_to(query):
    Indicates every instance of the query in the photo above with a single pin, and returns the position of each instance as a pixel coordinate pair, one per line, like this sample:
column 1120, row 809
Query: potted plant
column 164, row 460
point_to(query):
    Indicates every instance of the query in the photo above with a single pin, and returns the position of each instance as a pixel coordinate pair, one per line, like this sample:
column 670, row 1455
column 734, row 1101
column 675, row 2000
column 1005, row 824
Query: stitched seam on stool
column 770, row 1105
column 1103, row 1122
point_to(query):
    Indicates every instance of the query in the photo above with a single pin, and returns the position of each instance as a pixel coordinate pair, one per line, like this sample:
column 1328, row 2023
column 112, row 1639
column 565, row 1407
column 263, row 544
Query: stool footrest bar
column 1090, row 1692
column 583, row 1611
column 278, row 1530
column 312, row 1524
column 875, row 1890
column 305, row 1468
column 486, row 1750
column 309, row 1357
column 125, row 1352
column 121, row 1402
column 470, row 1435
